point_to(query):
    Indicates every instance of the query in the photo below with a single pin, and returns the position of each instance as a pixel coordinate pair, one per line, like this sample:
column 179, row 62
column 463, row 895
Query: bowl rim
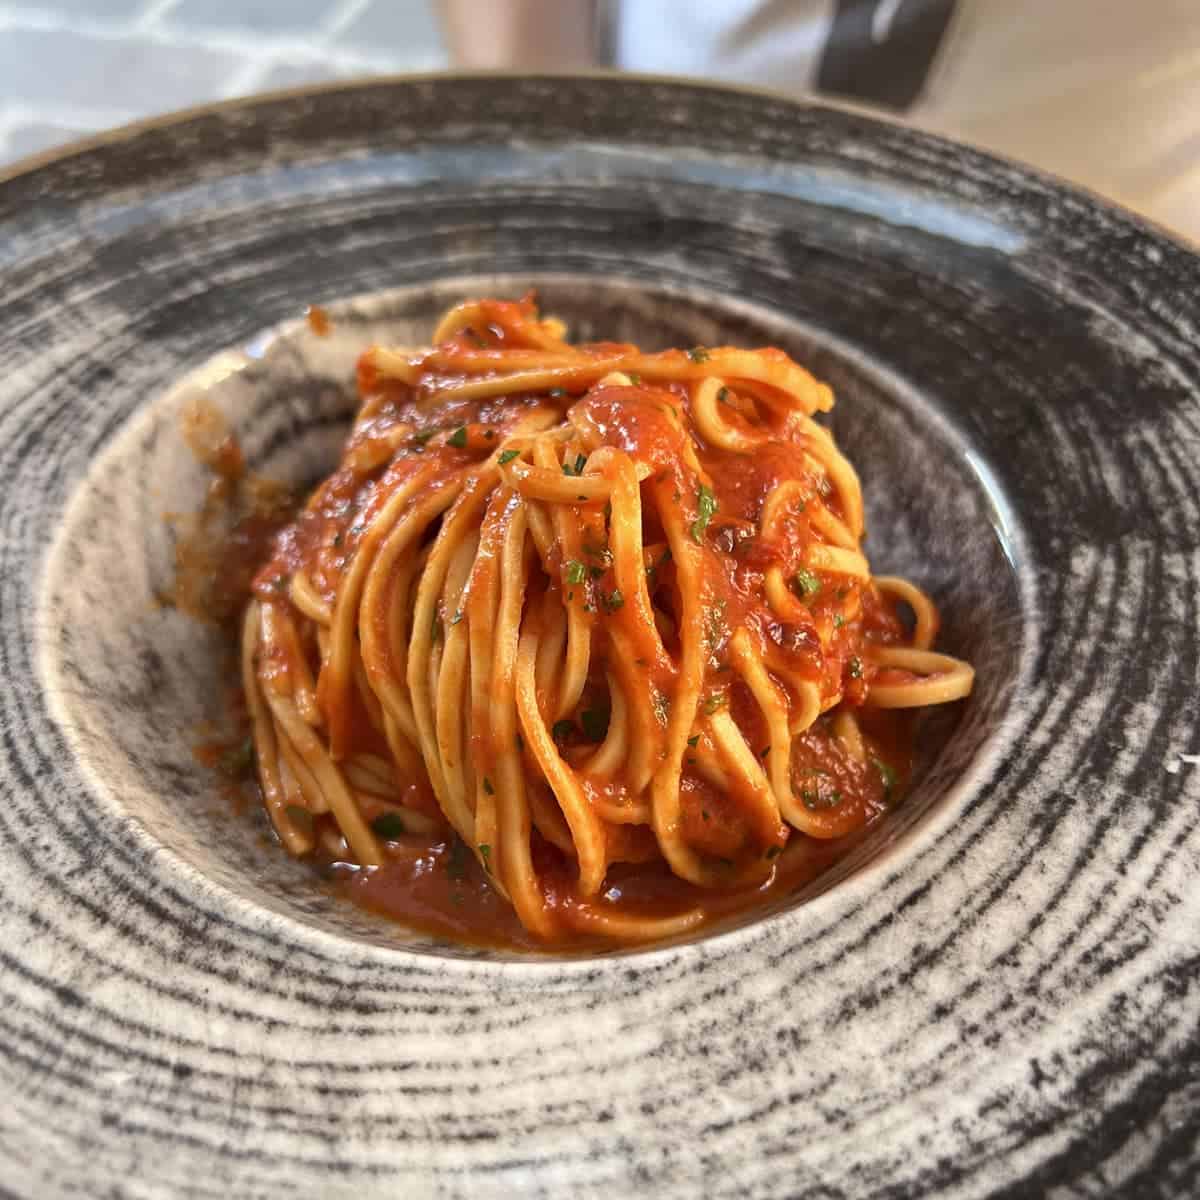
column 129, row 131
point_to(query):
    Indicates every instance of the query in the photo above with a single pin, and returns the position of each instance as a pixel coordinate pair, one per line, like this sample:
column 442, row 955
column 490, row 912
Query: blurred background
column 1104, row 92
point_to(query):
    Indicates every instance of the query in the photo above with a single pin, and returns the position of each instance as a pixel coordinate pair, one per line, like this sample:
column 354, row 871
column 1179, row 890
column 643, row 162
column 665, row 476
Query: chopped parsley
column 807, row 582
column 456, row 860
column 706, row 505
column 458, row 437
column 424, row 435
column 388, row 825
column 300, row 816
column 575, row 571
column 838, row 620
column 885, row 773
column 595, row 723
column 816, row 799
column 715, row 701
column 486, row 851
column 577, row 467
column 614, row 600
column 694, row 740
column 506, row 456
column 652, row 569
column 634, row 378
column 723, row 396
column 458, row 616
column 238, row 760
column 698, row 354
column 714, row 624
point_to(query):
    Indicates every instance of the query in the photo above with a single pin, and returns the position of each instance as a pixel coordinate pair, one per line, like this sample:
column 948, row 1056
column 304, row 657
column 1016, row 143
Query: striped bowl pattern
column 1001, row 1000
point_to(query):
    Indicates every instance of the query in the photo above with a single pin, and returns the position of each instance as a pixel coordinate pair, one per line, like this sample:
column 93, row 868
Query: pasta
column 568, row 618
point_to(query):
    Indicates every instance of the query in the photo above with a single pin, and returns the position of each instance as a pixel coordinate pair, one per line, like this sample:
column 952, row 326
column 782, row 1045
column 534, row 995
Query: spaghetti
column 569, row 620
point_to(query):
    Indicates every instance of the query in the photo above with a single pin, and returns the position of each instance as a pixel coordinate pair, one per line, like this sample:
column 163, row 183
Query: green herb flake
column 506, row 456
column 595, row 723
column 614, row 600
column 456, row 860
column 706, row 505
column 886, row 773
column 723, row 396
column 458, row 616
column 576, row 571
column 714, row 624
column 485, row 851
column 855, row 668
column 698, row 354
column 580, row 463
column 388, row 825
column 694, row 740
column 238, row 760
column 487, row 786
column 634, row 378
column 815, row 799
column 300, row 816
column 807, row 583
column 424, row 435
column 838, row 620
column 561, row 729
column 714, row 702
column 458, row 437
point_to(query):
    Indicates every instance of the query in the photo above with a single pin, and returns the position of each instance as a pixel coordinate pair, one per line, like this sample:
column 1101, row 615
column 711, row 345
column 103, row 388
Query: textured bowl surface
column 998, row 994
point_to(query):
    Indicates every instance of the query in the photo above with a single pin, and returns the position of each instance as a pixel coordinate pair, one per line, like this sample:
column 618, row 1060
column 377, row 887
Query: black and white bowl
column 997, row 994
